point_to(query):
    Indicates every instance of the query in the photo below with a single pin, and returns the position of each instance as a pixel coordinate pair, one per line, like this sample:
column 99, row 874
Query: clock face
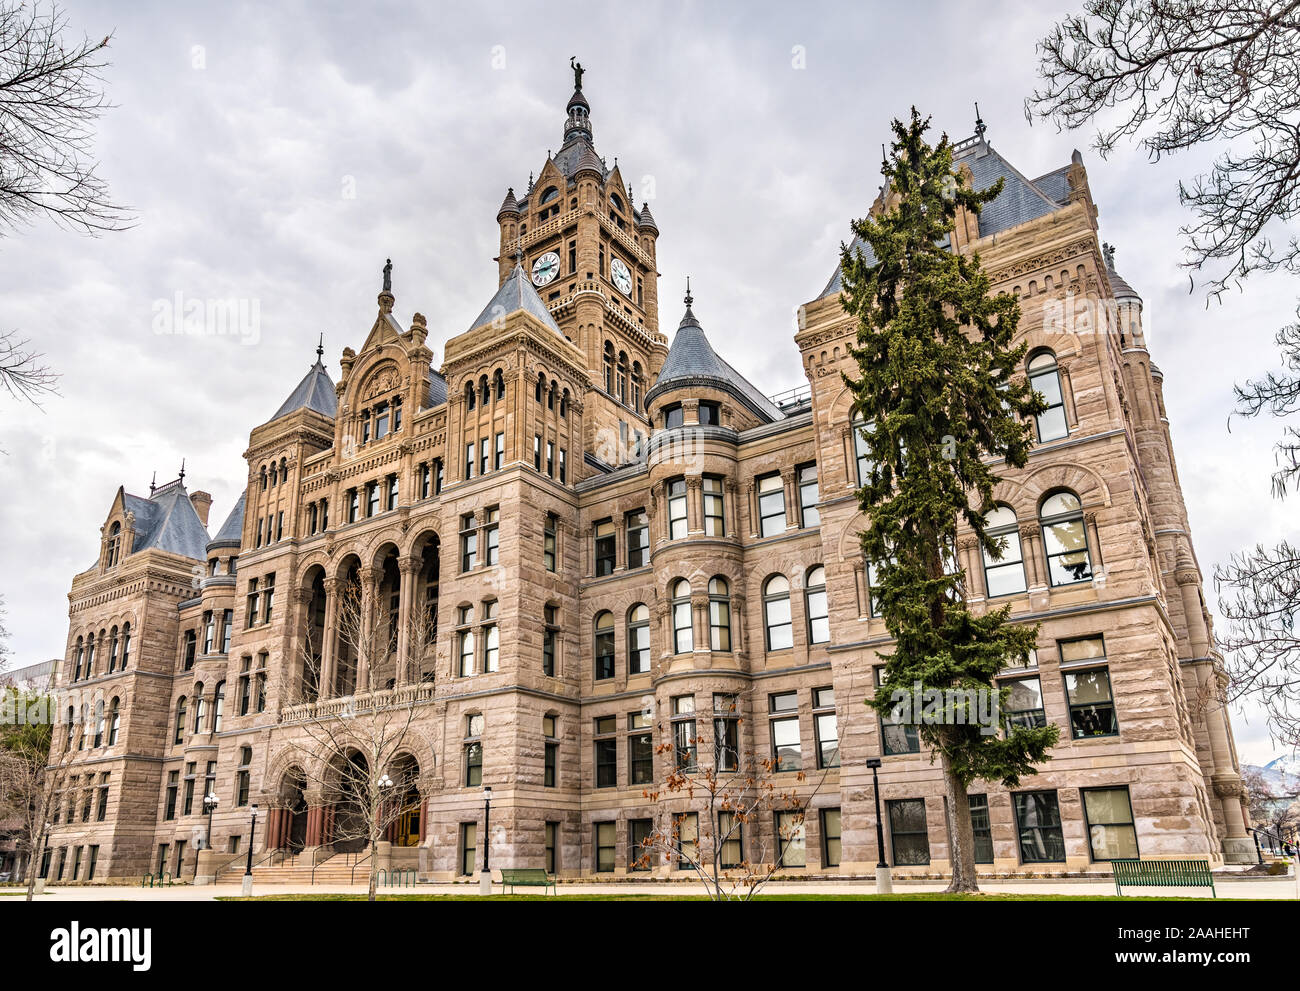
column 546, row 268
column 622, row 277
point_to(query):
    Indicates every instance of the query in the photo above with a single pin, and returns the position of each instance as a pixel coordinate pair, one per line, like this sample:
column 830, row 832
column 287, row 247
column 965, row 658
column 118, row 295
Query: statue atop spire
column 578, row 70
column 980, row 126
column 388, row 275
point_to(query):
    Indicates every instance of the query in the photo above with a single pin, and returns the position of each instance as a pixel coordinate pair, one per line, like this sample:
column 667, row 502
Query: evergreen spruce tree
column 940, row 390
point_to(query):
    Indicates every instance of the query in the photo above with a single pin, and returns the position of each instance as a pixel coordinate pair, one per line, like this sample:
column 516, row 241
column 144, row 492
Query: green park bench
column 1163, row 874
column 528, row 877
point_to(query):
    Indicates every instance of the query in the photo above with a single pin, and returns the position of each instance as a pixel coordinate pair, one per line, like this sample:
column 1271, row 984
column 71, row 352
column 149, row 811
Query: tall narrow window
column 677, row 509
column 908, row 831
column 1045, row 377
column 473, row 750
column 550, row 635
column 468, row 543
column 826, row 724
column 683, row 635
column 1038, row 825
column 771, row 506
column 787, row 750
column 492, row 537
column 638, row 640
column 390, row 494
column 604, row 645
column 499, row 458
column 814, row 597
column 114, row 545
column 726, row 731
column 1065, row 539
column 808, row 495
column 227, row 628
column 606, row 761
column 551, row 759
column 638, row 539
column 861, row 450
column 790, row 839
column 776, row 613
column 491, row 637
column 114, row 720
column 719, row 615
column 218, row 706
column 548, row 541
column 640, row 749
column 685, row 742
column 605, row 543
column 1004, row 573
column 715, row 525
column 1109, row 815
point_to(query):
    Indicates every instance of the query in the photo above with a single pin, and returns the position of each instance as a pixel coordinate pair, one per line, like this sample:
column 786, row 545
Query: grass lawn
column 924, row 896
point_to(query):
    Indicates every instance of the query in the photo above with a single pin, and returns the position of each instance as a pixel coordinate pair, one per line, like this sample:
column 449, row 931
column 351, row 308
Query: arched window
column 550, row 396
column 469, row 395
column 609, row 368
column 284, row 470
column 72, row 723
column 1045, row 377
column 112, row 650
column 622, row 376
column 541, row 387
column 604, row 643
column 179, row 735
column 273, row 475
column 776, row 613
column 636, row 385
column 483, row 394
column 114, row 720
column 719, row 615
column 814, row 598
column 564, row 404
column 264, row 476
column 99, row 723
column 114, row 545
column 499, row 383
column 1065, row 539
column 638, row 640
column 683, row 634
column 90, row 656
column 550, row 194
column 218, row 706
column 1004, row 574
column 126, row 645
column 199, row 707
column 397, row 413
column 77, row 657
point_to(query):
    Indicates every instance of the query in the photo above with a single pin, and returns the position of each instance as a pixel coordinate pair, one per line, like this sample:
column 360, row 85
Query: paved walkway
column 1272, row 888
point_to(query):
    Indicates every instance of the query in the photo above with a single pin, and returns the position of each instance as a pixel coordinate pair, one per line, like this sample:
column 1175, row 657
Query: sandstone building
column 612, row 535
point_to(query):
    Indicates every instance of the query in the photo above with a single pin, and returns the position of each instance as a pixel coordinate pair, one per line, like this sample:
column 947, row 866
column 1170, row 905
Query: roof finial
column 153, row 483
column 388, row 275
column 979, row 123
column 689, row 298
column 320, row 348
column 519, row 251
column 530, row 177
column 1108, row 253
column 182, row 471
column 884, row 158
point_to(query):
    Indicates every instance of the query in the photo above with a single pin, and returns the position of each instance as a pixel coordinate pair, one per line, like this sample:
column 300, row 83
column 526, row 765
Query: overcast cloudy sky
column 278, row 153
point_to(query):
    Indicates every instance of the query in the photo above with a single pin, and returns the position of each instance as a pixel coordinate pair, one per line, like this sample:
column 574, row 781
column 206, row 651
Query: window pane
column 785, row 744
column 1038, row 822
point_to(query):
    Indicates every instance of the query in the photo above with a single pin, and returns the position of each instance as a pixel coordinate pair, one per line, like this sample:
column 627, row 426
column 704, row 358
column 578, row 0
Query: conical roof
column 315, row 392
column 516, row 293
column 509, row 204
column 1119, row 286
column 692, row 362
column 646, row 219
column 168, row 521
column 231, row 532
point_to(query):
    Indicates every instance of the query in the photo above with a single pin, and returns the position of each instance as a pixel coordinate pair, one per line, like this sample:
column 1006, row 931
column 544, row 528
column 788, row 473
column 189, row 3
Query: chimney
column 202, row 503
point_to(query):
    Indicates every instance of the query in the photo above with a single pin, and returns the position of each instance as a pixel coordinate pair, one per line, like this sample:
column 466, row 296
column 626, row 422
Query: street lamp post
column 884, row 878
column 248, row 869
column 485, row 878
column 210, row 802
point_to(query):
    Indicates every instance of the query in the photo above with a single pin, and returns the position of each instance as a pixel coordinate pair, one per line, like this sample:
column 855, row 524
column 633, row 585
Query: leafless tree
column 726, row 797
column 1175, row 74
column 357, row 747
column 23, row 374
column 50, row 96
column 1274, row 805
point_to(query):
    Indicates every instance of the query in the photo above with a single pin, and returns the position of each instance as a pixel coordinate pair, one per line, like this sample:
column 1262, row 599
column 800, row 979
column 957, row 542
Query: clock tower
column 591, row 256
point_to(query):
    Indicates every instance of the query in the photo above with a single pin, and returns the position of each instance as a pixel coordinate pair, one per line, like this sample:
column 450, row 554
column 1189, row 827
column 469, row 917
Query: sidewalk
column 1262, row 887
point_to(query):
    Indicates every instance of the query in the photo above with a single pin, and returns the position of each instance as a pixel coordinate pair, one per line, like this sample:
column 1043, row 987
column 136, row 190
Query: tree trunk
column 961, row 838
column 373, row 867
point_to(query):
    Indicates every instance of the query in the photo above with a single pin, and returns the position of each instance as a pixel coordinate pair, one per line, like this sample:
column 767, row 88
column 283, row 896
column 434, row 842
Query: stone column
column 791, row 499
column 739, row 629
column 329, row 648
column 731, row 508
column 409, row 568
column 860, row 585
column 370, row 578
column 1189, row 586
column 752, row 507
column 700, row 621
column 846, row 441
column 1035, row 575
column 694, row 504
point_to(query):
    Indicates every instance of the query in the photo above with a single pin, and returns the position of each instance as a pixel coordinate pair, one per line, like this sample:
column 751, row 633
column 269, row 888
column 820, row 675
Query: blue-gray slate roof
column 1020, row 201
column 315, row 391
column 168, row 521
column 516, row 293
column 692, row 361
column 437, row 388
column 232, row 530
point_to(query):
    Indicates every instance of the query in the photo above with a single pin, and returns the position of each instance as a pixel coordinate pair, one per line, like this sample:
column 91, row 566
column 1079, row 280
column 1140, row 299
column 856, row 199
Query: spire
column 182, row 471
column 647, row 221
column 153, row 483
column 688, row 318
column 980, row 126
column 578, row 110
column 510, row 206
column 320, row 348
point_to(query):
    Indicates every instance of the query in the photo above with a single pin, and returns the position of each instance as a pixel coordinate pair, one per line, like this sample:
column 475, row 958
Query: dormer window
column 114, row 545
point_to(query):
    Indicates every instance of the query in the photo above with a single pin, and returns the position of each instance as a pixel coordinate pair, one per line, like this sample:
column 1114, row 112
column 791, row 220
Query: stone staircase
column 335, row 870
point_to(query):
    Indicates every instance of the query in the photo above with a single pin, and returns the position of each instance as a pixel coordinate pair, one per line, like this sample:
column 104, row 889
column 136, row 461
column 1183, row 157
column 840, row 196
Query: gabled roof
column 516, row 293
column 692, row 361
column 168, row 521
column 315, row 392
column 232, row 530
column 1020, row 201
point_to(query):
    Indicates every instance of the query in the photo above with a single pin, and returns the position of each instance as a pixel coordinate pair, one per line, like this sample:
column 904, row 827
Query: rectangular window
column 861, row 451
column 790, row 839
column 771, row 506
column 564, row 472
column 227, row 628
column 638, row 539
column 1024, row 704
column 677, row 509
column 832, row 830
column 473, row 764
column 726, row 732
column 639, row 832
column 687, row 827
column 908, row 833
column 982, row 827
column 484, row 465
column 898, row 737
column 715, row 525
column 549, row 637
column 826, row 724
column 92, row 858
column 426, row 480
column 469, row 460
column 468, row 848
column 173, row 785
column 209, row 632
column 605, row 847
column 468, row 543
column 1109, row 815
column 1038, row 826
column 684, row 744
column 551, row 768
column 548, row 542
column 605, row 548
column 537, row 452
column 438, row 475
column 1087, row 689
column 187, row 808
column 372, row 499
column 606, row 753
column 550, row 459
column 465, row 640
column 710, row 414
column 731, row 838
column 809, row 515
column 552, row 847
column 390, row 501
column 492, row 537
column 499, row 457
column 640, row 750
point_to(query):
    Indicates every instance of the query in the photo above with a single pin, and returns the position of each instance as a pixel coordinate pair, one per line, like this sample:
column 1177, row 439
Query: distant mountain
column 1282, row 774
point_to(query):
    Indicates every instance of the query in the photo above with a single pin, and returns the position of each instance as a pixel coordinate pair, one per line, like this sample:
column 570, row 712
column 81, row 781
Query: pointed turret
column 645, row 219
column 509, row 206
column 516, row 293
column 315, row 392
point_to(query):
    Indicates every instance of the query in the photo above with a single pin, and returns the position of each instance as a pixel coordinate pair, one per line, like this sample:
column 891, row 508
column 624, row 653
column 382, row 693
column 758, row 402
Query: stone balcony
column 347, row 706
